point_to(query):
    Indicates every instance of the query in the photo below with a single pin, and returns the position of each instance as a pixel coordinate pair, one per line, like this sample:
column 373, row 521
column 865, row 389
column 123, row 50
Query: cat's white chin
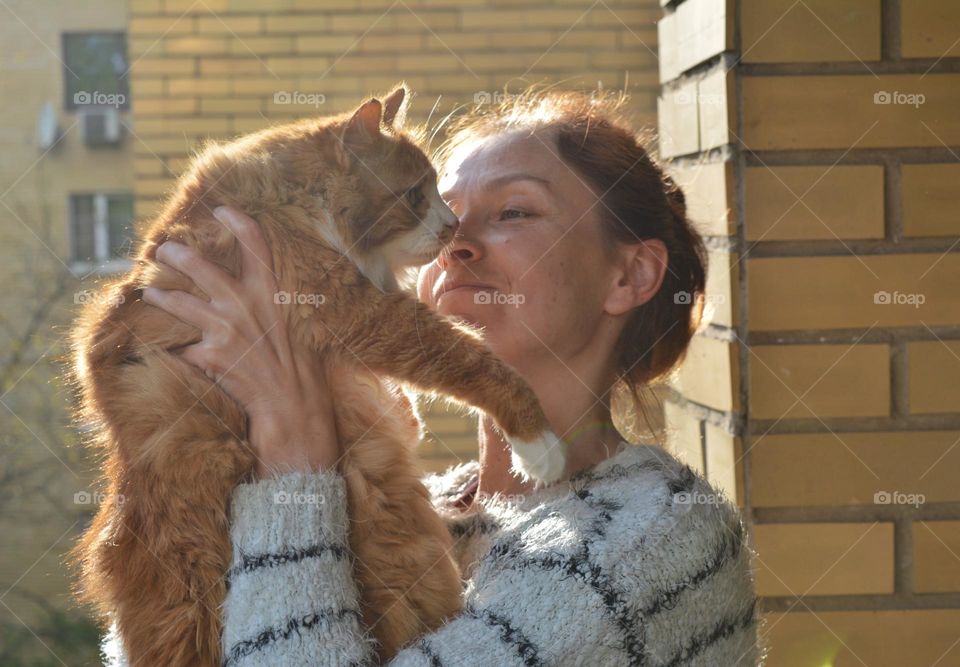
column 542, row 459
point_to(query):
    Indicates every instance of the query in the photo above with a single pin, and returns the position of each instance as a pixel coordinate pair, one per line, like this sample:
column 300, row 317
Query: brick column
column 819, row 145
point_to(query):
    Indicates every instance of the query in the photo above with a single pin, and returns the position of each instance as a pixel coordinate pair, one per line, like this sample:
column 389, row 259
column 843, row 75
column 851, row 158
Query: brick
column 800, row 112
column 141, row 87
column 297, row 24
column 679, row 121
column 333, row 44
column 683, row 436
column 720, row 306
column 669, row 53
column 622, row 17
column 934, row 369
column 804, row 293
column 153, row 187
column 195, row 46
column 145, row 207
column 195, row 86
column 810, row 381
column 149, row 167
column 931, row 199
column 785, row 31
column 160, row 25
column 298, row 65
column 194, row 7
column 929, row 29
column 632, row 59
column 433, row 62
column 460, row 41
column 815, row 469
column 189, row 126
column 715, row 109
column 708, row 375
column 162, row 66
column 144, row 6
column 233, row 65
column 708, row 188
column 824, row 558
column 697, row 31
column 266, row 87
column 163, row 106
column 911, row 637
column 261, row 46
column 374, row 43
column 229, row 105
column 936, row 556
column 723, row 462
column 229, row 25
column 822, row 202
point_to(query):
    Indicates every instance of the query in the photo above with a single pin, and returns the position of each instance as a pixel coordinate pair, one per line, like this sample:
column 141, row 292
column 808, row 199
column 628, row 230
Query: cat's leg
column 404, row 339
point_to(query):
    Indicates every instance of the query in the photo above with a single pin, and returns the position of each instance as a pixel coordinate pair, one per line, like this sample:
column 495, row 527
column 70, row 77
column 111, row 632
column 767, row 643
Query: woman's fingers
column 181, row 305
column 205, row 274
column 256, row 260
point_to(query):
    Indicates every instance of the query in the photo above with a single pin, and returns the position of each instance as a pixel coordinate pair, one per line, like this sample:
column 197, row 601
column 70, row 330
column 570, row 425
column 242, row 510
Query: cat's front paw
column 543, row 459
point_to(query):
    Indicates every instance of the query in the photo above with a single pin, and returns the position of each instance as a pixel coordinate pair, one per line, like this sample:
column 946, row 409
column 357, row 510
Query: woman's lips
column 462, row 287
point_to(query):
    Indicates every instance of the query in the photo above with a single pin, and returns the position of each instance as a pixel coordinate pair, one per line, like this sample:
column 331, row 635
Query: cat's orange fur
column 175, row 443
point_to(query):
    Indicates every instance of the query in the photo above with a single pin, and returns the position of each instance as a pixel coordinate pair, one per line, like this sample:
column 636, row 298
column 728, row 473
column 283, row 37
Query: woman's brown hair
column 639, row 201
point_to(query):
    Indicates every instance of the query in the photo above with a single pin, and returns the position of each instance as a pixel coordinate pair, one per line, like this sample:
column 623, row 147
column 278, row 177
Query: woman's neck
column 591, row 439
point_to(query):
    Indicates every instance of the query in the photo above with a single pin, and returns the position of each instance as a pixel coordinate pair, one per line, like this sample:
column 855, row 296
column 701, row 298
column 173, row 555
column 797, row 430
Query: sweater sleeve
column 292, row 599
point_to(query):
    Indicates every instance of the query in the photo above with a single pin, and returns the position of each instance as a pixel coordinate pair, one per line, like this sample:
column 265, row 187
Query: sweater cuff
column 288, row 511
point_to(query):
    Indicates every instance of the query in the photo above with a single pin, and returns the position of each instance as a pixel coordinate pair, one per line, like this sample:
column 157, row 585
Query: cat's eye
column 415, row 196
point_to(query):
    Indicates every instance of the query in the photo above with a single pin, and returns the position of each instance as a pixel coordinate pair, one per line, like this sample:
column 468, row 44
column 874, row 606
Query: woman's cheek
column 426, row 278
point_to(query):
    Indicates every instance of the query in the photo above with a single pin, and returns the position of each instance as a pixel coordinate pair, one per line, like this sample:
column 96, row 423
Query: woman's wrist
column 307, row 445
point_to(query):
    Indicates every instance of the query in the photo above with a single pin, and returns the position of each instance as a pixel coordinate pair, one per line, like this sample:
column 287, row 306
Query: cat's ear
column 395, row 106
column 365, row 123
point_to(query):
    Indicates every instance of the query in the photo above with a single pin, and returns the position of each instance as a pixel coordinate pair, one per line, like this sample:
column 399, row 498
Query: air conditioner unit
column 101, row 126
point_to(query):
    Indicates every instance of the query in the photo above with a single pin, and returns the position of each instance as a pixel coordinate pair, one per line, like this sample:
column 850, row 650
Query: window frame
column 102, row 262
column 68, row 103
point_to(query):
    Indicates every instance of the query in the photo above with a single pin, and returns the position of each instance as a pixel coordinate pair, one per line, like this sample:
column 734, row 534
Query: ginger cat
column 344, row 203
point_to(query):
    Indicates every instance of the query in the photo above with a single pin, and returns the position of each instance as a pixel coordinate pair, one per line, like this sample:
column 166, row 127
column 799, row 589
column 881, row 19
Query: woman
column 572, row 250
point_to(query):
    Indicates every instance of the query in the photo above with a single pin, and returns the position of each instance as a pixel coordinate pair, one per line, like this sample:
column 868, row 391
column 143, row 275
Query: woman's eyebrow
column 500, row 181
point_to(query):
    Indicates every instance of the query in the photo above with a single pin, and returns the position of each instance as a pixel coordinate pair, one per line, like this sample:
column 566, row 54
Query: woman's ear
column 639, row 275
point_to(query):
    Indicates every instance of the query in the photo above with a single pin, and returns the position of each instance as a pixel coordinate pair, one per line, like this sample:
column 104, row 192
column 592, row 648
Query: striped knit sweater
column 635, row 561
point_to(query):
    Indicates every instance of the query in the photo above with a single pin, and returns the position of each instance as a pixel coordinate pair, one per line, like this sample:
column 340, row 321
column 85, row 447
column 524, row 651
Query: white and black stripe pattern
column 606, row 569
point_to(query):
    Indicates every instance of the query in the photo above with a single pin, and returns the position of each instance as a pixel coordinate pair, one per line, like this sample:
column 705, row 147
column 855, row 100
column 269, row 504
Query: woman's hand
column 246, row 349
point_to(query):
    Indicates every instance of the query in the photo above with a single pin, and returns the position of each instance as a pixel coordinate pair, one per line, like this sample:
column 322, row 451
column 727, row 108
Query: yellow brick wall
column 818, row 142
column 213, row 69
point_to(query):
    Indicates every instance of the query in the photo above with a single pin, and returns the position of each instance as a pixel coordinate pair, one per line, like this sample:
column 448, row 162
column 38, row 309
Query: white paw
column 543, row 459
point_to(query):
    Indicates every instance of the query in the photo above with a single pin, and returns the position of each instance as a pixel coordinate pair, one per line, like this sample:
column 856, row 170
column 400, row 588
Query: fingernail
column 222, row 214
column 146, row 293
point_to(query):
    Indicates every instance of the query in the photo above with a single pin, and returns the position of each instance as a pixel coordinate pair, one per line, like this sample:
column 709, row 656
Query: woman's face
column 528, row 264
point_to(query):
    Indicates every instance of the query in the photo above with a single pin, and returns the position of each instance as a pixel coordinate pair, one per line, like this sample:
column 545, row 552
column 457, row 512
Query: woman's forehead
column 492, row 160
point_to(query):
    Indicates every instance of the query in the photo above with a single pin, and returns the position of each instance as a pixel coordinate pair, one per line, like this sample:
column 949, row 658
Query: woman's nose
column 461, row 248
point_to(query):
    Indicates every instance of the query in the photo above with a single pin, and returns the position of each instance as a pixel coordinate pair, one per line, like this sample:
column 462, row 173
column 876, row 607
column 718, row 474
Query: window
column 95, row 70
column 101, row 230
